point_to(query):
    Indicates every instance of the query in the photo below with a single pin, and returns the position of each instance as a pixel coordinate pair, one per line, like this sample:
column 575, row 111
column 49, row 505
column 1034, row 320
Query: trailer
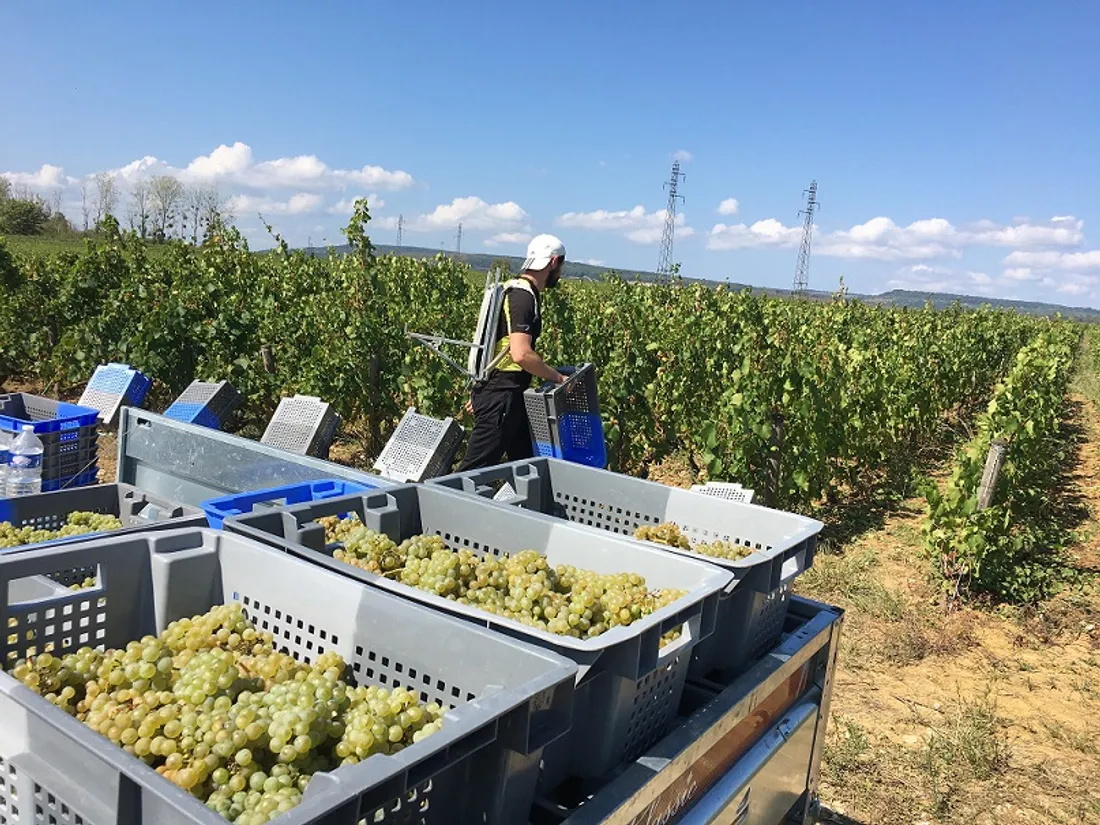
column 747, row 751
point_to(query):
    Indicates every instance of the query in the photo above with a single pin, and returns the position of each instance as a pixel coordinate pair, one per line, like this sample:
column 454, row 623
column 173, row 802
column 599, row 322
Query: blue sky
column 955, row 144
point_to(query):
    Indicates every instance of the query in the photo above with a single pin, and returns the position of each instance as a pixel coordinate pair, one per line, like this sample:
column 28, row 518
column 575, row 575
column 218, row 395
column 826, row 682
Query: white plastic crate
column 420, row 448
column 303, row 424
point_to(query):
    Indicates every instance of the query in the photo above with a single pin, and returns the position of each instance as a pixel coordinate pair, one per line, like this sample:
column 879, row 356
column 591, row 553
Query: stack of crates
column 565, row 419
column 206, row 404
column 113, row 385
column 68, row 433
column 304, row 425
column 777, row 546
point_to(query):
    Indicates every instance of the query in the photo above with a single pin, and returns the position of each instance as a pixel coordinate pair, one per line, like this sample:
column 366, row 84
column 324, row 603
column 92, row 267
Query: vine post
column 994, row 461
column 775, row 459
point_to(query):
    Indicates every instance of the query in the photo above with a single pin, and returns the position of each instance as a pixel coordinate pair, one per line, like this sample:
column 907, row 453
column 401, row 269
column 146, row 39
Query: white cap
column 540, row 250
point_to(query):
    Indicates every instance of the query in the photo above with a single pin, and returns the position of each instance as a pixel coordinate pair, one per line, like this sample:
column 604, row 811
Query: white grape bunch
column 78, row 523
column 213, row 707
column 522, row 586
column 670, row 535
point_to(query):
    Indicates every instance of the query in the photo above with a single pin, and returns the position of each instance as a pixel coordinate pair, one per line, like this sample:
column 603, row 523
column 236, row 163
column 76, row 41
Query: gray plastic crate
column 751, row 614
column 303, row 424
column 510, row 698
column 630, row 686
column 421, row 447
column 137, row 509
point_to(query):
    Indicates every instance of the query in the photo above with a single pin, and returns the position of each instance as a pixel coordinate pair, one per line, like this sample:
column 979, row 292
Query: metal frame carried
column 477, row 369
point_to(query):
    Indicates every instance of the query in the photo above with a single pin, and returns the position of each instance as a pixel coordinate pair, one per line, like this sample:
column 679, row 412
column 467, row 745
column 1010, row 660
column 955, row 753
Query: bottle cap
column 28, row 428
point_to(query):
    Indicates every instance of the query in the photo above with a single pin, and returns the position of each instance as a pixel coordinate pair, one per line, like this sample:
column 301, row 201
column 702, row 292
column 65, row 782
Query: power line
column 664, row 262
column 802, row 270
column 400, row 228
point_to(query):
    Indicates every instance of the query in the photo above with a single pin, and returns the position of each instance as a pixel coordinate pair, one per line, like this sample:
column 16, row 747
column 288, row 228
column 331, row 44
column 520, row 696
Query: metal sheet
column 766, row 782
column 678, row 771
column 189, row 463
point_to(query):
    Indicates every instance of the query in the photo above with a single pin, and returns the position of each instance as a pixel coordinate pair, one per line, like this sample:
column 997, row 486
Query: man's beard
column 553, row 278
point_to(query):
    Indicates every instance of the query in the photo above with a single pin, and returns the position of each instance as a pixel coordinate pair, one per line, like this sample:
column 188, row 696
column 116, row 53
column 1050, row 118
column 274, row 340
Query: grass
column 970, row 746
column 43, row 244
column 848, row 578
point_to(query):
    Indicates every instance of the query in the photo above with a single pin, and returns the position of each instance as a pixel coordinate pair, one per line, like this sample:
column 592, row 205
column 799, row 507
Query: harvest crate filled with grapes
column 764, row 549
column 199, row 674
column 629, row 615
column 81, row 512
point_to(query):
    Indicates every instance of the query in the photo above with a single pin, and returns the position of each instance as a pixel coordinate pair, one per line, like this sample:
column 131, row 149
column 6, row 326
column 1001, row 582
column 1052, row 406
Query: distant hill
column 896, row 297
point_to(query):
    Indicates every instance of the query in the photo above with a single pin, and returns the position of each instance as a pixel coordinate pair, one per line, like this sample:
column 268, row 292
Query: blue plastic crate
column 113, row 385
column 140, row 387
column 219, row 509
column 44, row 414
column 89, row 476
column 582, row 439
column 193, row 414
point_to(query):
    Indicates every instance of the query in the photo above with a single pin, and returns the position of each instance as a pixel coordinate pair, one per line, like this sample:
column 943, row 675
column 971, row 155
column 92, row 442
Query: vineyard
column 812, row 403
column 837, row 409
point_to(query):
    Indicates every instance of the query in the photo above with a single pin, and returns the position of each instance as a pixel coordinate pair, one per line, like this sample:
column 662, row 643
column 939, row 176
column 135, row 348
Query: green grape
column 522, row 586
column 212, row 707
column 76, row 524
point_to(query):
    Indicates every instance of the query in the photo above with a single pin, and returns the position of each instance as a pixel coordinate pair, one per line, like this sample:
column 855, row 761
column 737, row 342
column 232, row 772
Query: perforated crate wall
column 113, row 385
column 725, row 490
column 303, row 424
column 420, row 448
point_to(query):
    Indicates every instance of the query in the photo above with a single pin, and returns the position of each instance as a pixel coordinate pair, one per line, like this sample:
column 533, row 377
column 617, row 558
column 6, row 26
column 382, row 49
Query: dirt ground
column 986, row 716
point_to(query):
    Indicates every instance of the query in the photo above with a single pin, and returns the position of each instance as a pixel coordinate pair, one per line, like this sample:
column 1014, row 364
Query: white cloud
column 510, row 238
column 769, row 233
column 728, row 207
column 1074, row 283
column 682, row 155
column 472, row 213
column 1054, row 260
column 347, row 205
column 46, row 177
column 1062, row 230
column 1021, row 273
column 301, row 203
column 592, row 262
column 635, row 224
column 882, row 239
column 236, row 166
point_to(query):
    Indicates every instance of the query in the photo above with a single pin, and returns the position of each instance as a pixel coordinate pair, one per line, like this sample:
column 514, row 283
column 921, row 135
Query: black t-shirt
column 523, row 315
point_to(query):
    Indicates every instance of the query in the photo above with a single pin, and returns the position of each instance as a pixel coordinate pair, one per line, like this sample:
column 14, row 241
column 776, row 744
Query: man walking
column 500, row 418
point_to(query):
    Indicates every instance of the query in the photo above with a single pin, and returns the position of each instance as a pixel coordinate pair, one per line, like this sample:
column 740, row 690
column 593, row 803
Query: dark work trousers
column 500, row 427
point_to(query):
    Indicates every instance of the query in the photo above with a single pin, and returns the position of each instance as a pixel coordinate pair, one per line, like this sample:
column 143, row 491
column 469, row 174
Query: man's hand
column 470, row 405
column 561, row 379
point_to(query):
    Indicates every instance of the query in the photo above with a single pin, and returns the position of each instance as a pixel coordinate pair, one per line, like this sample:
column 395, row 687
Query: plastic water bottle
column 25, row 465
column 5, row 454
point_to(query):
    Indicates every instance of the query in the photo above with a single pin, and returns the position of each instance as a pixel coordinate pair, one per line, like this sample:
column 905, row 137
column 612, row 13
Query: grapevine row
column 1011, row 549
column 690, row 370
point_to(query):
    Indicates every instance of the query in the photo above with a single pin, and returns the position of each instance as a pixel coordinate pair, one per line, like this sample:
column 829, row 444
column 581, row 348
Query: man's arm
column 519, row 348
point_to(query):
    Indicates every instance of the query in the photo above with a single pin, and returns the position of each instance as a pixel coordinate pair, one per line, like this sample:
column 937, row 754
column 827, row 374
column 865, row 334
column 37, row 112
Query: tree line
column 157, row 209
